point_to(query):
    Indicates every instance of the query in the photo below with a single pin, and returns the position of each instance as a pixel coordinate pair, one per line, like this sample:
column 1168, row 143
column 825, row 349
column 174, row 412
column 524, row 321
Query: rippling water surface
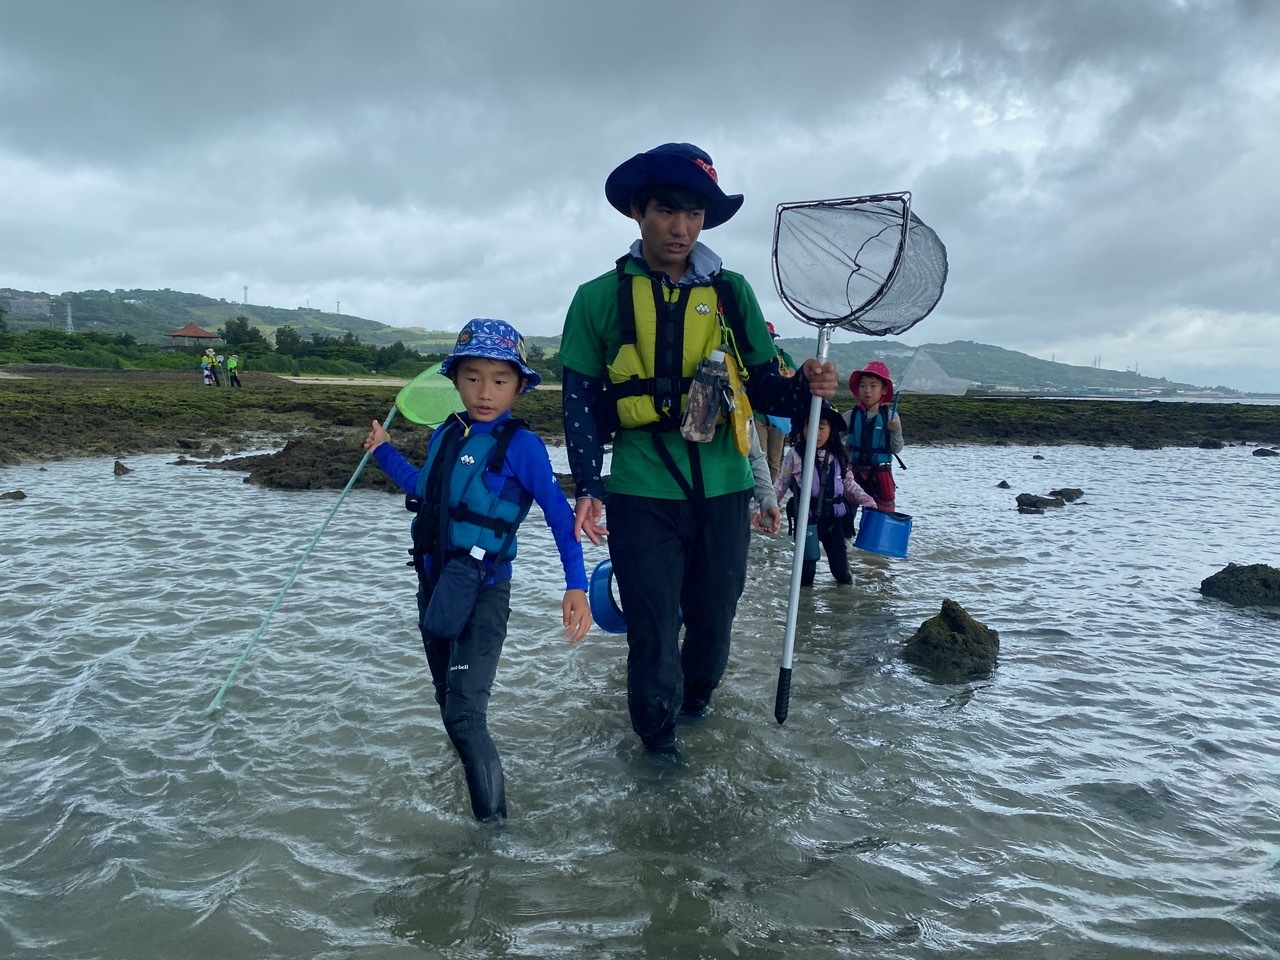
column 1112, row 791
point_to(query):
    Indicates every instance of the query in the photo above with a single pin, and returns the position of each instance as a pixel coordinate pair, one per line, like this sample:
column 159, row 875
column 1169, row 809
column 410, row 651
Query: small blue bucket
column 883, row 533
column 604, row 608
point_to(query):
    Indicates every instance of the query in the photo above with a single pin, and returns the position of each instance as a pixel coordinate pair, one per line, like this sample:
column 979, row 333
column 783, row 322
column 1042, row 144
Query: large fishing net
column 922, row 374
column 865, row 264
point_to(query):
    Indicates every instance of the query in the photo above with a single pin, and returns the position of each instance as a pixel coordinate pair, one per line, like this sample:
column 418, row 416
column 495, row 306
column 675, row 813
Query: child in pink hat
column 875, row 433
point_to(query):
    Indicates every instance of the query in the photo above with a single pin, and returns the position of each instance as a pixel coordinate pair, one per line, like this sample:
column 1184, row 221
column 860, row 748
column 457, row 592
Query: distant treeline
column 291, row 354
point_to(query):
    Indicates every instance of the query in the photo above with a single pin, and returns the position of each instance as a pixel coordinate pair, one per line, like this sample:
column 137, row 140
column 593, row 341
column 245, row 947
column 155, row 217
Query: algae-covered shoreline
column 52, row 414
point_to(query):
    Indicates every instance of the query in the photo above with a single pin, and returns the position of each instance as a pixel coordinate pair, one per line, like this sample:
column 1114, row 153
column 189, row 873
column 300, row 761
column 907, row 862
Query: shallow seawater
column 1112, row 791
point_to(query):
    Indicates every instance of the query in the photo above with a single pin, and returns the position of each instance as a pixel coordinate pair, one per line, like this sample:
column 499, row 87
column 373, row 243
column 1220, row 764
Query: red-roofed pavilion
column 191, row 334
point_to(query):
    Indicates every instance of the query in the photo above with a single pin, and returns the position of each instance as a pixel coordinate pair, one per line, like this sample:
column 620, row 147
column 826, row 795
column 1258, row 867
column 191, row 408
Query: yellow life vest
column 649, row 380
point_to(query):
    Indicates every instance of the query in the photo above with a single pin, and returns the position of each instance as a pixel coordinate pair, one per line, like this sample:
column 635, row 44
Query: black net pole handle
column 782, row 699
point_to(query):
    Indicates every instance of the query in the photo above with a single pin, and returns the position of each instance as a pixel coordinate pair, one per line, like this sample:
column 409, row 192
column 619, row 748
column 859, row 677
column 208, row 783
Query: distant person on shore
column 209, row 369
column 233, row 371
column 833, row 495
column 774, row 430
column 875, row 433
column 484, row 470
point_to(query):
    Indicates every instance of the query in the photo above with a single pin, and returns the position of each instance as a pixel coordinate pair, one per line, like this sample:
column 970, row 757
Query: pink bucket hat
column 876, row 369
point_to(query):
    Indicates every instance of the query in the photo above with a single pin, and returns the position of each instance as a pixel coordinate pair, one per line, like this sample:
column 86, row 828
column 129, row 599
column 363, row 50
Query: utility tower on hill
column 70, row 328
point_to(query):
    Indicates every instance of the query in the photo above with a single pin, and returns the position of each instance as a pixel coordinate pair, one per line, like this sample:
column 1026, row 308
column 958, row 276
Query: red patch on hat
column 711, row 171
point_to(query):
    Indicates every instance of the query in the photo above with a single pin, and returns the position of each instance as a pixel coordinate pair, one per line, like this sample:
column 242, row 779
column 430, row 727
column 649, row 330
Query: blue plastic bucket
column 604, row 608
column 883, row 533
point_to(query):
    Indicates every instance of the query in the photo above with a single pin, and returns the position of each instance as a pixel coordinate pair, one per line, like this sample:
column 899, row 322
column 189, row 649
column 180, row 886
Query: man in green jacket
column 678, row 511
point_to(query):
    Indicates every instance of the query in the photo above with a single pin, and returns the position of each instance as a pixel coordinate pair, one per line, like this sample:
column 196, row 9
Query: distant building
column 190, row 334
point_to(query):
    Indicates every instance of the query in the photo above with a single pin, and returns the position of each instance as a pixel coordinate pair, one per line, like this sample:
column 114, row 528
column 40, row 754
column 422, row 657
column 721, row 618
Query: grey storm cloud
column 1101, row 172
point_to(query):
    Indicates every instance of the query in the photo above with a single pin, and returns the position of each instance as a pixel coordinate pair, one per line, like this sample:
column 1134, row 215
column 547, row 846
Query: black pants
column 673, row 562
column 830, row 533
column 463, row 673
column 831, row 536
column 234, row 378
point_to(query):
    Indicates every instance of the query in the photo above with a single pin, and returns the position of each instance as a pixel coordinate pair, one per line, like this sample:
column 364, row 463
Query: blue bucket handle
column 605, row 611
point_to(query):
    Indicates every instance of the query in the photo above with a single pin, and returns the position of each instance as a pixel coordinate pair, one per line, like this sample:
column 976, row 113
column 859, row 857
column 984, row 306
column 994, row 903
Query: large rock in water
column 1244, row 586
column 1033, row 501
column 314, row 461
column 953, row 646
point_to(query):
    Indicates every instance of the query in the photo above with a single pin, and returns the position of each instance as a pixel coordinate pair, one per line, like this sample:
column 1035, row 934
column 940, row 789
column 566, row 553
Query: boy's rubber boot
column 488, row 790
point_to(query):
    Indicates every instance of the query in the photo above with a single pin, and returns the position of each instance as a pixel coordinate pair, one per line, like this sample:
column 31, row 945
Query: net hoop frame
column 902, row 196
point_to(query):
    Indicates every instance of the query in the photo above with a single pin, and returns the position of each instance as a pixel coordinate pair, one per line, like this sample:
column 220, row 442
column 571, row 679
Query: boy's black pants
column 672, row 561
column 463, row 673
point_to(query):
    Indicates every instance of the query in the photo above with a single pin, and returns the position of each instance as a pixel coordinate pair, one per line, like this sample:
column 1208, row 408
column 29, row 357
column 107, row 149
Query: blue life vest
column 869, row 441
column 456, row 508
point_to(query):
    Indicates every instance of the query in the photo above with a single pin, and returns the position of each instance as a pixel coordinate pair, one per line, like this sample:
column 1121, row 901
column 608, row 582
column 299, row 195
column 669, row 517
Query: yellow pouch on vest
column 740, row 415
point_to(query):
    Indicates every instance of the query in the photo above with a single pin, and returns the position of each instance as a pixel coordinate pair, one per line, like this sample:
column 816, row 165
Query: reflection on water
column 1110, row 792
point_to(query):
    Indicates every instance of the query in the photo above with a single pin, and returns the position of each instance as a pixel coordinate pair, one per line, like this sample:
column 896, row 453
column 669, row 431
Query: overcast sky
column 1103, row 174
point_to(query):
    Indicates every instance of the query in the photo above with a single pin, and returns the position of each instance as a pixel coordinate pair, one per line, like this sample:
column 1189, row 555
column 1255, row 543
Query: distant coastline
column 53, row 414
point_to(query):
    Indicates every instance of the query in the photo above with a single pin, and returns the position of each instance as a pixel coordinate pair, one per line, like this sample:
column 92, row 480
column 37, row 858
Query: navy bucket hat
column 680, row 165
column 829, row 413
column 493, row 340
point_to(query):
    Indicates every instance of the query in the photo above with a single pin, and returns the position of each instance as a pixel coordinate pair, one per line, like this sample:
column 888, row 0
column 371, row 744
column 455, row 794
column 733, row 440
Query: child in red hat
column 875, row 433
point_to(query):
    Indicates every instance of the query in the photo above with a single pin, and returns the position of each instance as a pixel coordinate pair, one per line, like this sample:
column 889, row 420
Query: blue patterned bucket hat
column 493, row 340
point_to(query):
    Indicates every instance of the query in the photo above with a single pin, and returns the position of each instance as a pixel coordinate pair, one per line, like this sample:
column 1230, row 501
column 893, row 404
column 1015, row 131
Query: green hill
column 150, row 314
column 995, row 369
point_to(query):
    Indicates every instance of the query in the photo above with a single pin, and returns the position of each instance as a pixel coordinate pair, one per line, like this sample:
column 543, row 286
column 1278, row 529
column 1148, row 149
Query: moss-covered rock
column 313, row 461
column 1037, row 503
column 953, row 647
column 1253, row 585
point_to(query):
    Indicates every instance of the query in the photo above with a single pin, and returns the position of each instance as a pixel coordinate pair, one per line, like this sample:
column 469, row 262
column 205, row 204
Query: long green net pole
column 253, row 641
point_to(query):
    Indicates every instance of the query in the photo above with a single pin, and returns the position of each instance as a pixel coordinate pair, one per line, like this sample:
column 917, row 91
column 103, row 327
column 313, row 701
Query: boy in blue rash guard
column 483, row 471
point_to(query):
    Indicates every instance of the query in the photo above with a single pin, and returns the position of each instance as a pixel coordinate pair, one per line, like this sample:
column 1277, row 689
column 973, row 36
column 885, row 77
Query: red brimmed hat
column 876, row 369
column 679, row 165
